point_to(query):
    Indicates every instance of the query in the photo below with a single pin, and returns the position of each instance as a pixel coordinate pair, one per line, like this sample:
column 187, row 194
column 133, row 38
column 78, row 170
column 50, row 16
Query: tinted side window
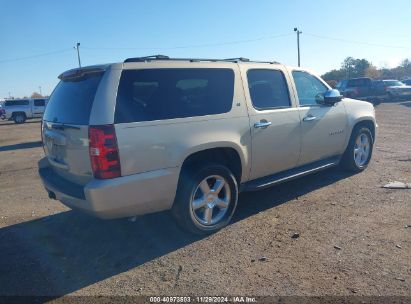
column 39, row 102
column 309, row 88
column 268, row 89
column 361, row 82
column 365, row 82
column 154, row 94
column 18, row 102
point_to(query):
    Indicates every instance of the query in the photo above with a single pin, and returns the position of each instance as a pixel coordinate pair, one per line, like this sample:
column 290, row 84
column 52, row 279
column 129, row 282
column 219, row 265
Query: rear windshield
column 341, row 84
column 17, row 102
column 72, row 100
column 154, row 94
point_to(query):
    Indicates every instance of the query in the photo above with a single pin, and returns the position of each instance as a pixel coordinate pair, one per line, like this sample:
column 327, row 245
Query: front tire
column 359, row 151
column 206, row 198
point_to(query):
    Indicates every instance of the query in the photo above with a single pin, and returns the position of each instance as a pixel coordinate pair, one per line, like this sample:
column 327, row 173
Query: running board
column 278, row 178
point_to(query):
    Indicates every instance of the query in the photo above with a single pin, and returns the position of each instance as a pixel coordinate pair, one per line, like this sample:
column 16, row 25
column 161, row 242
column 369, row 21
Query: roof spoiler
column 80, row 72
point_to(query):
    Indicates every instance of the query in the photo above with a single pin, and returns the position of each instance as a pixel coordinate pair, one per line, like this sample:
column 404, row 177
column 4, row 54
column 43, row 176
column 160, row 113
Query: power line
column 357, row 42
column 208, row 45
column 35, row 56
column 189, row 46
column 150, row 48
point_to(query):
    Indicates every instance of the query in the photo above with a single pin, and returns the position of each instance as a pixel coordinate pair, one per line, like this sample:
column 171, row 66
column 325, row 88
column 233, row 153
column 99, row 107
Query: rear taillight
column 105, row 160
column 42, row 136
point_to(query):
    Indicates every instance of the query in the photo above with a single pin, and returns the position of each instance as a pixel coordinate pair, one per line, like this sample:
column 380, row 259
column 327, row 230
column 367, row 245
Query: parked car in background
column 19, row 110
column 2, row 112
column 380, row 89
column 396, row 89
column 407, row 82
column 360, row 88
column 156, row 133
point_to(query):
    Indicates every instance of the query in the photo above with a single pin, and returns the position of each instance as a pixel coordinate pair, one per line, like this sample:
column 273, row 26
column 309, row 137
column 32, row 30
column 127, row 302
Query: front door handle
column 309, row 117
column 262, row 124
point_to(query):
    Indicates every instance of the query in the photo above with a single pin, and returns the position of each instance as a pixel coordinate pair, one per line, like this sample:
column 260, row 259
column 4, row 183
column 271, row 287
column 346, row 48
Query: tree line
column 353, row 68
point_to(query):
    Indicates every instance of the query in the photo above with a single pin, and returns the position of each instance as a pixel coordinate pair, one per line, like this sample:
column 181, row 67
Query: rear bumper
column 114, row 198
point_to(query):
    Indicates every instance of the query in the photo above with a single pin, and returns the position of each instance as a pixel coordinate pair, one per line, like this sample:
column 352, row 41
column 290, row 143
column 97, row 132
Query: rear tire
column 206, row 198
column 359, row 151
column 19, row 118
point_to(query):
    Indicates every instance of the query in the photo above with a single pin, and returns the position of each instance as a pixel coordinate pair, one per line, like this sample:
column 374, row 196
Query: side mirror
column 331, row 97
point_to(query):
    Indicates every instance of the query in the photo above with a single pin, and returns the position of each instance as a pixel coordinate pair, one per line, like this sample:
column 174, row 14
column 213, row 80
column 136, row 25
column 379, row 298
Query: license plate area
column 55, row 146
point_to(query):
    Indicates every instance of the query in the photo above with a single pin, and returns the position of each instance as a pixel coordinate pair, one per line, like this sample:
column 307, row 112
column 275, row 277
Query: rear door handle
column 262, row 124
column 309, row 117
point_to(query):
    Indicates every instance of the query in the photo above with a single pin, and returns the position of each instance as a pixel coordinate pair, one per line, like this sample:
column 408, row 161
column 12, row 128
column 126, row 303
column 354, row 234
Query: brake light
column 103, row 149
column 42, row 136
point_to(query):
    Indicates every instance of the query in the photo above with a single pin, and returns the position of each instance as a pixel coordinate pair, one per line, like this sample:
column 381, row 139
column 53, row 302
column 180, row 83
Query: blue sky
column 110, row 31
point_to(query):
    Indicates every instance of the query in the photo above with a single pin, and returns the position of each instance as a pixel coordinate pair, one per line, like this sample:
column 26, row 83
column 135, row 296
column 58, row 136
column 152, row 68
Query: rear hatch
column 66, row 124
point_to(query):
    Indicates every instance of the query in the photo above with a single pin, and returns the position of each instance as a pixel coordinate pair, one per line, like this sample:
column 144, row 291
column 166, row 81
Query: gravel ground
column 353, row 239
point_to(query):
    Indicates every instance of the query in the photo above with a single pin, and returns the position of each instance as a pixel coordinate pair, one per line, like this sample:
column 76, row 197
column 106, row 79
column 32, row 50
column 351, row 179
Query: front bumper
column 124, row 196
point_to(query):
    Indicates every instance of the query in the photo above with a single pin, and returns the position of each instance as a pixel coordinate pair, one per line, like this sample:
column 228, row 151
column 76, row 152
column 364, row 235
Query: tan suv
column 156, row 133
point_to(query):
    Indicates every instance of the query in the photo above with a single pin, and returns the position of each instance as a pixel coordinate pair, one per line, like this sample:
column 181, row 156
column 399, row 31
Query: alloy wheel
column 362, row 150
column 211, row 200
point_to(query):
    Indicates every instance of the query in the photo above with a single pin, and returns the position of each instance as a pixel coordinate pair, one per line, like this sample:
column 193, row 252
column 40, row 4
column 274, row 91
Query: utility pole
column 298, row 43
column 40, row 91
column 78, row 53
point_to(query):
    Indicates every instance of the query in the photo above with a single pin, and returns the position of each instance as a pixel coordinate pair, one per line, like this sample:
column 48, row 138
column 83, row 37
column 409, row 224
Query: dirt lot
column 47, row 249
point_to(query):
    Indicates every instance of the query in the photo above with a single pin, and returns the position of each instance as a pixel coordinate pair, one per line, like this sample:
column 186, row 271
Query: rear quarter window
column 39, row 102
column 72, row 100
column 156, row 94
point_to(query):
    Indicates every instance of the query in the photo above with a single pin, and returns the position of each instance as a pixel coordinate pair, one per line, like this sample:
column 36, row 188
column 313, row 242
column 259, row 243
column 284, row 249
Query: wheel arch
column 225, row 154
column 366, row 122
column 18, row 112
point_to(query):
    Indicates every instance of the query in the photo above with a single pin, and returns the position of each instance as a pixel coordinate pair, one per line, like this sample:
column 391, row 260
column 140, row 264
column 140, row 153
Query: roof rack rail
column 164, row 57
column 237, row 59
column 146, row 58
